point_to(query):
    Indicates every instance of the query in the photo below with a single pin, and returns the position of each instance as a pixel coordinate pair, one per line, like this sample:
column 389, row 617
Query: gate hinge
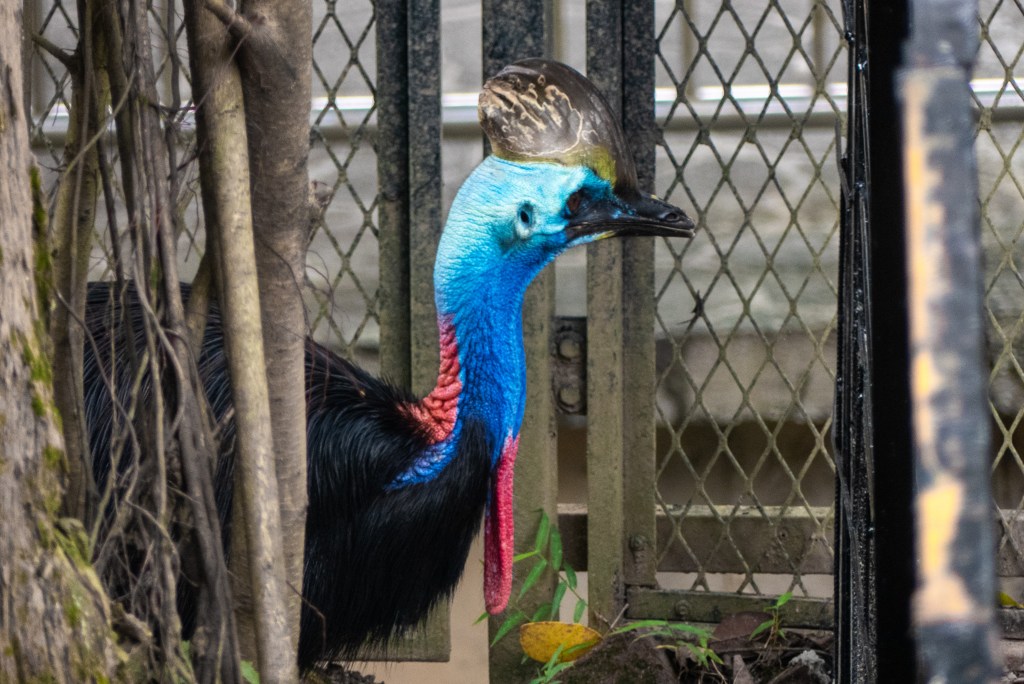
column 569, row 364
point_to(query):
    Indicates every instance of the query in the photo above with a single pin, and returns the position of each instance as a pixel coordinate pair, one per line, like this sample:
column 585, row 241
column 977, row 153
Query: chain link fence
column 750, row 99
column 751, row 102
column 999, row 102
column 746, row 311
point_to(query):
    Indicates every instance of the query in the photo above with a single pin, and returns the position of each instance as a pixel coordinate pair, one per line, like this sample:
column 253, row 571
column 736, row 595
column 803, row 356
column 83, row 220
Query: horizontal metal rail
column 712, row 606
column 762, row 533
column 756, row 103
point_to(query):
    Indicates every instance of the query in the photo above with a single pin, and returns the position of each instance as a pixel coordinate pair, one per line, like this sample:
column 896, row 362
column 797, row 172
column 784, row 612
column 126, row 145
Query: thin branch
column 237, row 25
column 100, row 131
column 58, row 53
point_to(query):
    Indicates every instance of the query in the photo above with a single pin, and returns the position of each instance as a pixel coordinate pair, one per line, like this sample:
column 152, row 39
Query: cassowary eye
column 526, row 215
column 572, row 204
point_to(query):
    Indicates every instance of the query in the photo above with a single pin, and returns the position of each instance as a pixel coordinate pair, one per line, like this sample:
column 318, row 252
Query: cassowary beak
column 638, row 214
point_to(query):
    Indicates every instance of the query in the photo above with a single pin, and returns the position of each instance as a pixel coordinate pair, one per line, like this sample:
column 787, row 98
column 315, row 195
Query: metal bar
column 511, row 31
column 854, row 551
column 425, row 212
column 458, row 112
column 392, row 99
column 770, row 536
column 416, row 190
column 638, row 365
column 709, row 606
column 953, row 607
column 604, row 355
column 890, row 477
column 425, row 184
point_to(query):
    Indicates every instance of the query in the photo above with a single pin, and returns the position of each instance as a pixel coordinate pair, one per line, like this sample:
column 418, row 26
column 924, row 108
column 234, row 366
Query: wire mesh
column 342, row 261
column 999, row 102
column 746, row 311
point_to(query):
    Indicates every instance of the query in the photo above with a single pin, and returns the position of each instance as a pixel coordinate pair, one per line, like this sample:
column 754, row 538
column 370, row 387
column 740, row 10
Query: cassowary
column 398, row 484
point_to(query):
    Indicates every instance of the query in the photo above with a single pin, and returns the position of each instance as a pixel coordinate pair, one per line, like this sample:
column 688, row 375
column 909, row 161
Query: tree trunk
column 227, row 208
column 73, row 226
column 276, row 83
column 54, row 615
column 275, row 58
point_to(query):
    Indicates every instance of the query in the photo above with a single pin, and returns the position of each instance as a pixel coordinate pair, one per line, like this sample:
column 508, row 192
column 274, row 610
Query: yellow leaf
column 540, row 640
column 1007, row 601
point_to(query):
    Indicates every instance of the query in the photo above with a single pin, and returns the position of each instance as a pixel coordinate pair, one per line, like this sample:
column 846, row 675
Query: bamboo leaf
column 533, row 577
column 555, row 547
column 556, row 600
column 543, row 530
column 511, row 622
column 249, row 673
column 577, row 613
column 764, row 626
column 570, row 576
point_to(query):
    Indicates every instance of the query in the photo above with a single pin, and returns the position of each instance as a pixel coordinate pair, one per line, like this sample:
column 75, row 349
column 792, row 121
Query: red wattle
column 499, row 528
column 438, row 410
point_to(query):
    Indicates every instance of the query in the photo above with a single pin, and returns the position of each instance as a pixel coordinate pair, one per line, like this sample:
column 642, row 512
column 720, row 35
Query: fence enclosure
column 681, row 410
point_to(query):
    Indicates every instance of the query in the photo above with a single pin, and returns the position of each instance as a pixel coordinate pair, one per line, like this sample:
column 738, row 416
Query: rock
column 806, row 668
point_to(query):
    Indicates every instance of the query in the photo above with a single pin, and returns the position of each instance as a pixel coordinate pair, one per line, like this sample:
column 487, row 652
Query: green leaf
column 543, row 531
column 577, row 613
column 483, row 616
column 556, row 600
column 249, row 673
column 763, row 627
column 555, row 547
column 524, row 556
column 542, row 612
column 570, row 576
column 511, row 622
column 532, row 578
column 640, row 624
column 783, row 600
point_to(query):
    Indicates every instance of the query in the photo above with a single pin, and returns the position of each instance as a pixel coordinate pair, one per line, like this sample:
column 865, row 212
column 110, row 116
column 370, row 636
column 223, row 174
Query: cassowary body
column 377, row 556
column 398, row 484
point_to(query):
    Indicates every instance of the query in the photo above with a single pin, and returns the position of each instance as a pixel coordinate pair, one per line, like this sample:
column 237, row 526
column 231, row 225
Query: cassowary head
column 561, row 175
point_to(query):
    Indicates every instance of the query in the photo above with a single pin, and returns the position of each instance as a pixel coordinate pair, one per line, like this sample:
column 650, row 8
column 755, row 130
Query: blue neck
column 489, row 332
column 484, row 264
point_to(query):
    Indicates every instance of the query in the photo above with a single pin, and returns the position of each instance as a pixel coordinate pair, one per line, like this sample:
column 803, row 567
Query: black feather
column 377, row 558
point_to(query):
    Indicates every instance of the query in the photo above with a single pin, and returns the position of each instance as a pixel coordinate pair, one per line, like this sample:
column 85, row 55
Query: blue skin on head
column 507, row 222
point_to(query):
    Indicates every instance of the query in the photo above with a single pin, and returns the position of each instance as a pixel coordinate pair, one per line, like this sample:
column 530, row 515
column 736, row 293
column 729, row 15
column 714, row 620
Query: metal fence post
column 638, row 306
column 620, row 331
column 409, row 173
column 605, row 527
column 954, row 605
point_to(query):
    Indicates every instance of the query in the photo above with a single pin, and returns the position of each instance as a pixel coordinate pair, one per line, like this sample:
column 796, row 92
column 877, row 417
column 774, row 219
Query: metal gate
column 691, row 407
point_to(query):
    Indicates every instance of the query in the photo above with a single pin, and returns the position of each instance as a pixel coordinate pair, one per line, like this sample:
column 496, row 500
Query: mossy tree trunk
column 54, row 616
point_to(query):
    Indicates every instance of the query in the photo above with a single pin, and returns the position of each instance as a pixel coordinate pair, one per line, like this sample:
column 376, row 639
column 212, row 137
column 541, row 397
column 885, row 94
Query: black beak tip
column 668, row 219
column 677, row 220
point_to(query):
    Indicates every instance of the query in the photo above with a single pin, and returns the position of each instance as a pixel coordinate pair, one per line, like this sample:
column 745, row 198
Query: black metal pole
column 875, row 562
column 954, row 604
